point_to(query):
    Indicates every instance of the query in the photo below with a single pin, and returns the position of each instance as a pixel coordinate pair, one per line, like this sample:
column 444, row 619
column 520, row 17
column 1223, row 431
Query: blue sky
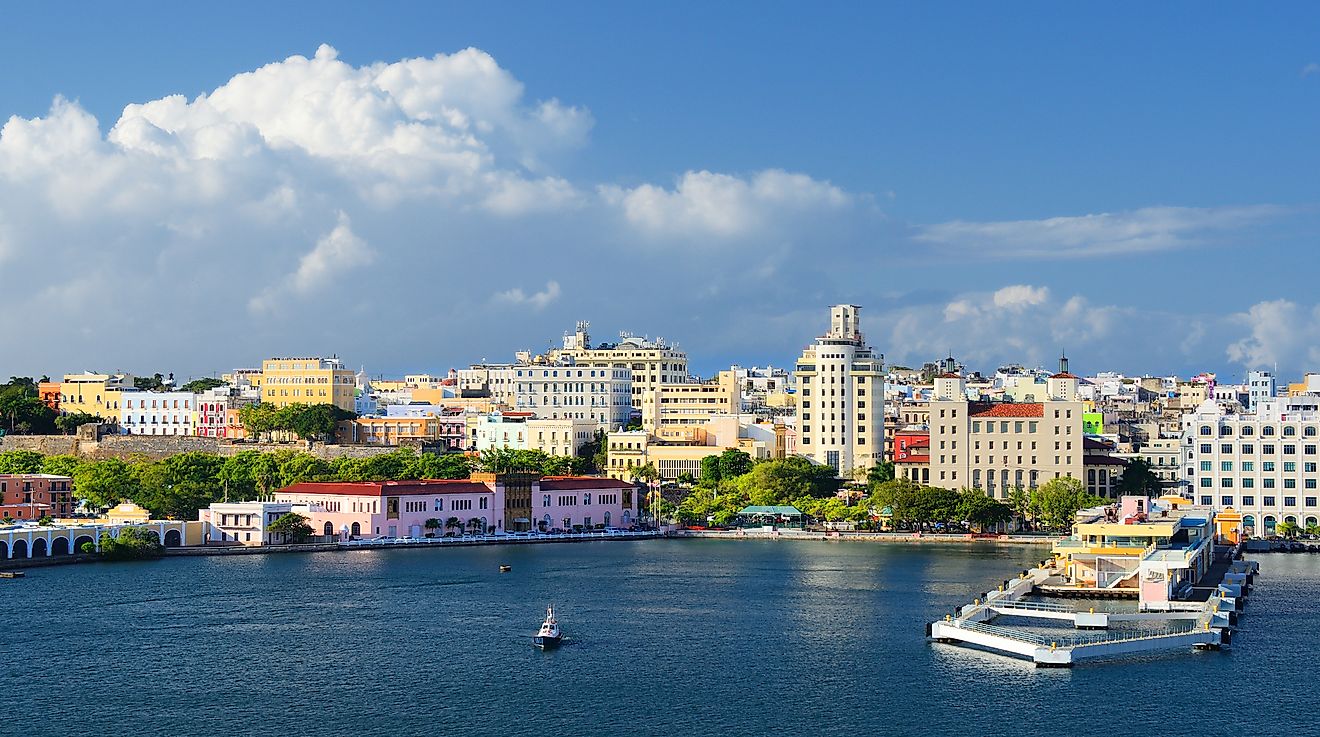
column 1135, row 184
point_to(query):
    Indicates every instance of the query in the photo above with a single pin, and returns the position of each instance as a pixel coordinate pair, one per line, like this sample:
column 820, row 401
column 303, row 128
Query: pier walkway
column 1205, row 624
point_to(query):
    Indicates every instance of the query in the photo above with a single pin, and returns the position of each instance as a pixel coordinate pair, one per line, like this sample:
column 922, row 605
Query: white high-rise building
column 840, row 386
column 1264, row 464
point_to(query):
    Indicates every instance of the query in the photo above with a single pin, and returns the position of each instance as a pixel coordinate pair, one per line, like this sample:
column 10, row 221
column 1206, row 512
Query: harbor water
column 664, row 637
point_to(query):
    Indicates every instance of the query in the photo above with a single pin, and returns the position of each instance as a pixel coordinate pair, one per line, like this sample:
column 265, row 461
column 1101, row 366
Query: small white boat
column 549, row 637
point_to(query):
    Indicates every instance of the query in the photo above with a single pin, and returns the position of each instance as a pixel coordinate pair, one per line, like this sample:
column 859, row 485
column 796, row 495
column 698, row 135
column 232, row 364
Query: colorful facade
column 32, row 496
column 286, row 381
column 488, row 503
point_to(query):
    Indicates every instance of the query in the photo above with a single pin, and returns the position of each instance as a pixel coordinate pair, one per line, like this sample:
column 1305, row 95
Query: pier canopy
column 770, row 515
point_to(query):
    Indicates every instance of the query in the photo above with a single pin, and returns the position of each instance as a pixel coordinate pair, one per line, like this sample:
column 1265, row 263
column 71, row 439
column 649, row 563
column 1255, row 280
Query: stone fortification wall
column 163, row 446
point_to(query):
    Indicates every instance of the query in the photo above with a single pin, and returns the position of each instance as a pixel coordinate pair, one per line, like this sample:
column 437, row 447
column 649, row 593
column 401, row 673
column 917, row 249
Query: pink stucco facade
column 402, row 508
column 398, row 508
column 564, row 503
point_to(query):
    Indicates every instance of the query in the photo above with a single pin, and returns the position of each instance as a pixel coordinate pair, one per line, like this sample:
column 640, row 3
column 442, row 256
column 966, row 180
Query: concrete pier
column 986, row 622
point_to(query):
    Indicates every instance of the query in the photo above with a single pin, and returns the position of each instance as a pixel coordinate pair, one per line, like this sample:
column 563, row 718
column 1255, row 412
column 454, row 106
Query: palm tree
column 453, row 522
column 1287, row 529
column 432, row 525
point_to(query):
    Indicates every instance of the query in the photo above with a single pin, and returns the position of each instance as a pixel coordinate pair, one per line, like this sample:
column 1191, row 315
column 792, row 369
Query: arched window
column 1267, row 431
column 1205, row 430
column 1289, row 431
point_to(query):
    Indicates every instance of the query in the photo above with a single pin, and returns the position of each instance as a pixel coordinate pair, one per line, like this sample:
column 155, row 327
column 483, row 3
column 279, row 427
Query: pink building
column 487, row 503
column 398, row 508
column 568, row 502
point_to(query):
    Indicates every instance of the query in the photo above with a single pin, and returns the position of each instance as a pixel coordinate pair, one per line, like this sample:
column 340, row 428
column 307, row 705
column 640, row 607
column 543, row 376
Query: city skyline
column 423, row 198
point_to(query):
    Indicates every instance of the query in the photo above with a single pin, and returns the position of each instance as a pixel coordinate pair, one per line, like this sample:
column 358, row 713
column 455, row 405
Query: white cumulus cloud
column 704, row 203
column 536, row 300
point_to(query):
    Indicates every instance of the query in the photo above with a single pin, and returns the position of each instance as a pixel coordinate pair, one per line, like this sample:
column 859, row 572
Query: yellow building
column 286, row 381
column 690, row 403
column 94, row 394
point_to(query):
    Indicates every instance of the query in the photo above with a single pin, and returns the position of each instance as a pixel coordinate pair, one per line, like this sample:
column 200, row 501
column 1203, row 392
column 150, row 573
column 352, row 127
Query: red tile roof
column 913, row 459
column 949, row 375
column 1063, row 375
column 575, row 483
column 388, row 488
column 1008, row 409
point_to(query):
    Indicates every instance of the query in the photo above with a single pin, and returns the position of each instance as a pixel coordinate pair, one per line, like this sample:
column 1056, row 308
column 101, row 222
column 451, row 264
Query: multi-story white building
column 157, row 413
column 841, row 399
column 602, row 395
column 521, row 431
column 650, row 363
column 1264, row 464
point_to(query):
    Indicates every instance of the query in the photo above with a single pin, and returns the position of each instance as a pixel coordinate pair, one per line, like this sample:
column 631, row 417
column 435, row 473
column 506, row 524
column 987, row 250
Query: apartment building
column 524, row 431
column 840, row 383
column 157, row 413
column 562, row 391
column 690, row 403
column 286, row 381
column 999, row 446
column 1263, row 464
column 650, row 363
column 31, row 496
column 94, row 394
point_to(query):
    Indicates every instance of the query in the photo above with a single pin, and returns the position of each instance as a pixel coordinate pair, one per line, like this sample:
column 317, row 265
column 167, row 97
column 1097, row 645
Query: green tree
column 21, row 410
column 710, row 470
column 1019, row 501
column 1059, row 500
column 292, row 528
column 248, row 475
column 304, row 467
column 645, row 473
column 258, row 419
column 132, row 543
column 60, row 465
column 197, row 386
column 686, row 479
column 105, row 483
column 880, row 474
column 20, row 461
column 1138, row 479
column 447, row 466
column 154, row 383
column 734, row 463
column 980, row 511
column 69, row 424
column 1287, row 529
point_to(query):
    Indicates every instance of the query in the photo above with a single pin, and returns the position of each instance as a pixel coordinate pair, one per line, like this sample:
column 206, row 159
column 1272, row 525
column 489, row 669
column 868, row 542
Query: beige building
column 999, row 446
column 682, row 452
column 652, row 362
column 94, row 394
column 690, row 403
column 286, row 381
column 840, row 384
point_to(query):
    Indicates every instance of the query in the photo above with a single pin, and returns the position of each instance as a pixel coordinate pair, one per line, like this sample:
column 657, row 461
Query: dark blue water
column 672, row 637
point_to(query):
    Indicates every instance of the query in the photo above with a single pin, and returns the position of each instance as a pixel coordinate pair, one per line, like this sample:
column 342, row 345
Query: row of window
column 1265, row 501
column 1268, row 449
column 1309, row 431
column 1249, row 483
column 1288, row 466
